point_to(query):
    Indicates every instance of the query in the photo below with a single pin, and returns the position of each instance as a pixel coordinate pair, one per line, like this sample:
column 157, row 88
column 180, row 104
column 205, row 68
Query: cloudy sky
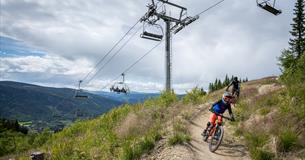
column 56, row 43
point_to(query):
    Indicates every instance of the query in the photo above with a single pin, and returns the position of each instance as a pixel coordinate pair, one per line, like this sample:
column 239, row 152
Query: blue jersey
column 220, row 107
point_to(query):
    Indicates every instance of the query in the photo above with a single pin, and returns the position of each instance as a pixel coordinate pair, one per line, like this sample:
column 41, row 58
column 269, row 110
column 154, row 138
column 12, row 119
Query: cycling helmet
column 235, row 78
column 227, row 97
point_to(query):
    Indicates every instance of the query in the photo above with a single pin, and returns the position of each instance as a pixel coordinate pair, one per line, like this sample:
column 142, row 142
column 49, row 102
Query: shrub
column 260, row 154
column 194, row 96
column 181, row 134
column 167, row 98
column 287, row 140
column 135, row 150
column 42, row 138
column 255, row 142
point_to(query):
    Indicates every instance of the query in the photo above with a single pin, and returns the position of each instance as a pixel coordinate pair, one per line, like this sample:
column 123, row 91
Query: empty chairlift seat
column 151, row 36
column 79, row 93
column 266, row 6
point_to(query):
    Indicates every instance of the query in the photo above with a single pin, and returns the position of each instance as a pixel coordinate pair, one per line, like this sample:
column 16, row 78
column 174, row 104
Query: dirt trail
column 229, row 149
column 197, row 149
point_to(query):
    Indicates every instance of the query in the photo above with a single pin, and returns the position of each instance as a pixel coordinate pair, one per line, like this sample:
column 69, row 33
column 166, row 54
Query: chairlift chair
column 79, row 93
column 120, row 87
column 152, row 36
column 268, row 7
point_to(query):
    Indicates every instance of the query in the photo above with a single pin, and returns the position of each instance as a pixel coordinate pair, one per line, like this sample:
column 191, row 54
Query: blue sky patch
column 13, row 48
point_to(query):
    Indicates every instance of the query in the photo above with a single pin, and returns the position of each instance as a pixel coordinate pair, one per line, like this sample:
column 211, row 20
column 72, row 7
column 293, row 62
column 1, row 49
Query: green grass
column 259, row 154
column 180, row 134
column 195, row 96
column 12, row 142
column 255, row 143
column 264, row 111
column 179, row 138
column 109, row 137
column 288, row 139
column 284, row 111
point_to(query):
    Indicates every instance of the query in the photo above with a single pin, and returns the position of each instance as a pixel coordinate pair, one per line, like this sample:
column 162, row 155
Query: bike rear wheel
column 216, row 139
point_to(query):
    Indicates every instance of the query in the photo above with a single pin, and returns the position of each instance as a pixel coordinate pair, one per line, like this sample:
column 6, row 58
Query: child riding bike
column 217, row 110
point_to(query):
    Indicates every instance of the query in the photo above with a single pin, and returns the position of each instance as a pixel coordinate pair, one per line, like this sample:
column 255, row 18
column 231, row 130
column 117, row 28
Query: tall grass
column 266, row 115
column 125, row 132
column 180, row 134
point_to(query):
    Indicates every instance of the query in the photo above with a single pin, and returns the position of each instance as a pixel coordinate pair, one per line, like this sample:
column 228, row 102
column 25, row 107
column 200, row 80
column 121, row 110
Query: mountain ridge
column 28, row 102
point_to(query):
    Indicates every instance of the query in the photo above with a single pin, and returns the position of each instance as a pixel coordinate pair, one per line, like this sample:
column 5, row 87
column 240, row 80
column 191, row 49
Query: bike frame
column 213, row 132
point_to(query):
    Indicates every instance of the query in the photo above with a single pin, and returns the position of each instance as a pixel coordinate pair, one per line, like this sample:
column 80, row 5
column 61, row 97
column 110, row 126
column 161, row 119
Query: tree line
column 13, row 125
column 292, row 60
column 218, row 84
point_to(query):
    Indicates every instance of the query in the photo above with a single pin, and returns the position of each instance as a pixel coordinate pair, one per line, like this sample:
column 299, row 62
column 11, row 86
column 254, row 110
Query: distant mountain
column 132, row 97
column 49, row 107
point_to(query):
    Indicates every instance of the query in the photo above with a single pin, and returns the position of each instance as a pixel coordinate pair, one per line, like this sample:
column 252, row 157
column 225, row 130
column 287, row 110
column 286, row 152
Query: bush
column 259, row 154
column 134, row 151
column 255, row 143
column 181, row 134
column 294, row 79
column 167, row 98
column 194, row 96
column 287, row 140
column 178, row 138
column 42, row 138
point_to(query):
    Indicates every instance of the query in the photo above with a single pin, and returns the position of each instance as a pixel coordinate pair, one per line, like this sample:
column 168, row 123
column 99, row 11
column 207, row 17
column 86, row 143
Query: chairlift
column 120, row 87
column 264, row 4
column 80, row 94
column 150, row 35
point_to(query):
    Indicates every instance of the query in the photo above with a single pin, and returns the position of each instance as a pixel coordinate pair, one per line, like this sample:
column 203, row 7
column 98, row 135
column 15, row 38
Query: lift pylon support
column 152, row 16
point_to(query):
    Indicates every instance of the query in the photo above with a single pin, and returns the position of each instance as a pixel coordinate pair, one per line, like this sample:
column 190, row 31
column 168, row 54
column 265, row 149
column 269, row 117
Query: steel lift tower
column 172, row 25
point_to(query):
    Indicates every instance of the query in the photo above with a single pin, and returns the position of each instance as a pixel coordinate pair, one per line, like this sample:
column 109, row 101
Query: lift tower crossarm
column 172, row 4
column 152, row 16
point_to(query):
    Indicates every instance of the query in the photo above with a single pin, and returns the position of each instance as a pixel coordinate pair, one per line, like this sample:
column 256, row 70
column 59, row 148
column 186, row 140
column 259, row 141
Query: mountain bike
column 215, row 134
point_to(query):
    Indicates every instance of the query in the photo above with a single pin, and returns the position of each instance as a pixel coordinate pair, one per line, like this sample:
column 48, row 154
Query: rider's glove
column 211, row 109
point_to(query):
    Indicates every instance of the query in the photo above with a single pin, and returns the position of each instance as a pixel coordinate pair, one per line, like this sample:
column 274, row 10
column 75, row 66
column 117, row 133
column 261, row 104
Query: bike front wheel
column 216, row 139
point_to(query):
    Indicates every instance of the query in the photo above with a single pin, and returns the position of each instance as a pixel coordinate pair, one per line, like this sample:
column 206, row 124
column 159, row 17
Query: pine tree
column 227, row 81
column 297, row 42
column 290, row 56
column 215, row 84
column 210, row 87
column 219, row 84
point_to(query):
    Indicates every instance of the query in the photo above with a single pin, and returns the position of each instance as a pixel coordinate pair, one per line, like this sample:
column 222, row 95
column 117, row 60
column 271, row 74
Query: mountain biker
column 218, row 109
column 236, row 86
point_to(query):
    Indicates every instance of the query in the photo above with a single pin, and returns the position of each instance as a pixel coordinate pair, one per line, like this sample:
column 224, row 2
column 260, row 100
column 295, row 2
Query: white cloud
column 43, row 69
column 235, row 37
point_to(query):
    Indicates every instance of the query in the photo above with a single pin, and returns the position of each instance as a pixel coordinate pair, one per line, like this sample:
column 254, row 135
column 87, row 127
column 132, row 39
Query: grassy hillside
column 271, row 125
column 270, row 128
column 123, row 133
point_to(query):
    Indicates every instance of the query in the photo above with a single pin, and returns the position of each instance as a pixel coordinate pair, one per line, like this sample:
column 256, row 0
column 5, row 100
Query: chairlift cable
column 109, row 60
column 214, row 5
column 142, row 57
column 116, row 44
column 99, row 62
column 132, row 65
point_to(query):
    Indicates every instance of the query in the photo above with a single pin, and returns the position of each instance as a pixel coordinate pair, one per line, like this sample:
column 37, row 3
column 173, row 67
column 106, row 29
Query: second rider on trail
column 218, row 109
column 236, row 87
